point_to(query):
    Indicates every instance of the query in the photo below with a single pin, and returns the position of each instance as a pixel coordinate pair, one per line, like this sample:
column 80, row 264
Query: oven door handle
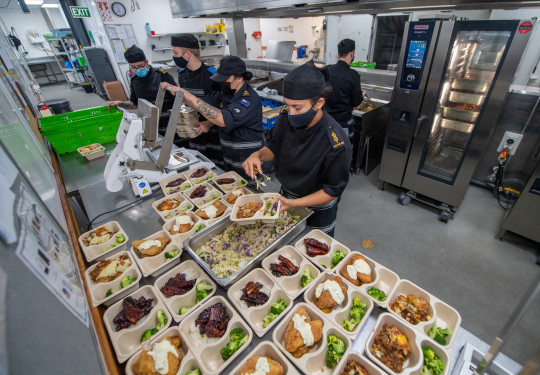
column 419, row 123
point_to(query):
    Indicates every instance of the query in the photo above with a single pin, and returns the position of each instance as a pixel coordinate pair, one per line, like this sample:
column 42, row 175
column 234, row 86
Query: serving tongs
column 259, row 178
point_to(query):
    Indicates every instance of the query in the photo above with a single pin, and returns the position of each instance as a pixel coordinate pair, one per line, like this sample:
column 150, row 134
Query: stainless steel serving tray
column 205, row 235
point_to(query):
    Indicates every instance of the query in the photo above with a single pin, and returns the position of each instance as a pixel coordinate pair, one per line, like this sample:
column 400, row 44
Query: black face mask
column 226, row 88
column 180, row 62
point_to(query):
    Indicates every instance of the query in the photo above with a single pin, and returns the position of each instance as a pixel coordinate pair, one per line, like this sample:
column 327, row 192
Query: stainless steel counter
column 79, row 173
column 279, row 98
column 140, row 220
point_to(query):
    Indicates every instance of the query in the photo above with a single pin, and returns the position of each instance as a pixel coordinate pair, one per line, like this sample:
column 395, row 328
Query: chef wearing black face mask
column 194, row 77
column 311, row 152
column 236, row 109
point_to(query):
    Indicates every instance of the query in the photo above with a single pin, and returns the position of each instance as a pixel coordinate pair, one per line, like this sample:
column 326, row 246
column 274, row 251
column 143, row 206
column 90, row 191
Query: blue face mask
column 141, row 72
column 302, row 119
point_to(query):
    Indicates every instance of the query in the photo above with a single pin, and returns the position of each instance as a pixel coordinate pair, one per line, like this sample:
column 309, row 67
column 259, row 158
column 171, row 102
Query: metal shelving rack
column 219, row 38
column 72, row 51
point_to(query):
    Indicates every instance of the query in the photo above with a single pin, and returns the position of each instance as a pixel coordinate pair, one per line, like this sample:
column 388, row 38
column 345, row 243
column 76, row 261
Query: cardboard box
column 114, row 90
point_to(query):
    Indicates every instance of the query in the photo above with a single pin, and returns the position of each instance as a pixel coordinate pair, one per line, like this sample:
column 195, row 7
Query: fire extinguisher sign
column 525, row 27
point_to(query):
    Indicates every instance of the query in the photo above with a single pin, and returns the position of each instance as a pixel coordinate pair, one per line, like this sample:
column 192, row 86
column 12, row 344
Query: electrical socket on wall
column 510, row 141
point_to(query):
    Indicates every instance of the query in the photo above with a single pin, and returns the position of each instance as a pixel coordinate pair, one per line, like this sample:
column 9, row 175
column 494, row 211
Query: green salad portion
column 229, row 251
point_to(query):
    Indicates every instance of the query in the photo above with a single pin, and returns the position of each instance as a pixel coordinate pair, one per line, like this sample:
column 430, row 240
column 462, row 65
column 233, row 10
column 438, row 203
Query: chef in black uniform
column 145, row 82
column 236, row 109
column 346, row 87
column 194, row 77
column 311, row 152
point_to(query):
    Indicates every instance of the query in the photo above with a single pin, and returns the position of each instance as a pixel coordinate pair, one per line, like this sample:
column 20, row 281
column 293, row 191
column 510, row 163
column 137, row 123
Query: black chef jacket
column 243, row 131
column 147, row 87
column 307, row 160
column 346, row 91
column 198, row 83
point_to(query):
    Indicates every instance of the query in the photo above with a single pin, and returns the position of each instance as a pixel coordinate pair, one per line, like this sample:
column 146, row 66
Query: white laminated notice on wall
column 122, row 37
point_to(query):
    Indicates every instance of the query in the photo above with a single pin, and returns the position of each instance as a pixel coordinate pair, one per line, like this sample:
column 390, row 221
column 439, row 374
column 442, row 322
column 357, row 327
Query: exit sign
column 79, row 12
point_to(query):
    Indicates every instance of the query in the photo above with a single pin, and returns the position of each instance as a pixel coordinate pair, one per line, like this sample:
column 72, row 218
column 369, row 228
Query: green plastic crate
column 68, row 131
column 367, row 65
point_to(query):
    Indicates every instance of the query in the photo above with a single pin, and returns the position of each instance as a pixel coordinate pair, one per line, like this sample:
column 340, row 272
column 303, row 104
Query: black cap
column 346, row 46
column 231, row 66
column 185, row 41
column 134, row 54
column 305, row 82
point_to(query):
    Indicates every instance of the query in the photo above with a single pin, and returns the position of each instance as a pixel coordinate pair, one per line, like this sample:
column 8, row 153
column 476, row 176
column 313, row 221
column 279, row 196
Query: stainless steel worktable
column 279, row 98
column 140, row 220
column 79, row 173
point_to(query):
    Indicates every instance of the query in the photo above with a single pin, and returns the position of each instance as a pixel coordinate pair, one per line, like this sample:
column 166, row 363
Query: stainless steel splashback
column 280, row 50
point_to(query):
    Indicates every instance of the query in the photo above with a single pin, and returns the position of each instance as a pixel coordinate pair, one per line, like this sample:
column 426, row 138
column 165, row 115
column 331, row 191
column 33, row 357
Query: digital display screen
column 415, row 57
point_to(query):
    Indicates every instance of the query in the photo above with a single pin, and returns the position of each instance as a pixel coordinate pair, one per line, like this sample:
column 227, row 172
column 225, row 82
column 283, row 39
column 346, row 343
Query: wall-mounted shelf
column 215, row 45
column 162, row 49
column 194, row 33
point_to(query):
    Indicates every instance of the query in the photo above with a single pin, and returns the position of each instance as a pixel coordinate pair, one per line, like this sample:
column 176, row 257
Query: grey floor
column 460, row 262
column 77, row 97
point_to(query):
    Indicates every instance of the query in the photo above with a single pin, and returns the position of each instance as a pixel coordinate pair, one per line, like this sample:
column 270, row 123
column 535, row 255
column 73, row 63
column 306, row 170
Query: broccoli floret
column 184, row 310
column 432, row 362
column 194, row 372
column 236, row 334
column 237, row 339
column 202, row 291
column 278, row 307
column 356, row 312
column 337, row 257
column 269, row 319
column 148, row 333
column 336, row 349
column 171, row 254
column 439, row 334
column 126, row 280
column 349, row 325
column 306, row 278
column 162, row 319
column 120, row 238
column 110, row 292
column 378, row 294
